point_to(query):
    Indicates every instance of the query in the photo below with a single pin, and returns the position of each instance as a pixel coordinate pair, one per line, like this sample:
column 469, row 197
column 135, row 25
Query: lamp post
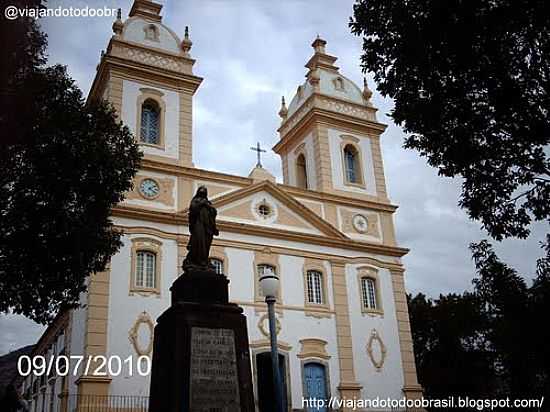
column 269, row 282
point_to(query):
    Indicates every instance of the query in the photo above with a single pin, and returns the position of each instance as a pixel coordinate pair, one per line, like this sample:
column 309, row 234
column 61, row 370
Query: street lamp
column 269, row 283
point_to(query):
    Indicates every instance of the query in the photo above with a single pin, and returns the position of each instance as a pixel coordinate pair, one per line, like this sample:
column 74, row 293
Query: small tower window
column 338, row 83
column 351, row 160
column 146, row 269
column 151, row 32
column 315, row 292
column 368, row 293
column 150, row 122
column 301, row 172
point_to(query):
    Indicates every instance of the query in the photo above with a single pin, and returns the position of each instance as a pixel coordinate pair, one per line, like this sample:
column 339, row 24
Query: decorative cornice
column 395, row 268
column 195, row 173
column 321, row 114
column 150, row 55
column 146, row 64
column 332, row 104
column 180, row 219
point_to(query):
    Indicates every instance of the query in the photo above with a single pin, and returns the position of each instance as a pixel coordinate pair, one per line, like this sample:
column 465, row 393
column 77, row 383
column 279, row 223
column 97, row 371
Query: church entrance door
column 265, row 386
column 316, row 384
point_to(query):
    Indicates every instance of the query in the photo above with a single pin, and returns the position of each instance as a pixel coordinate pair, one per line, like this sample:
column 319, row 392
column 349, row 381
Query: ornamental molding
column 151, row 57
column 264, row 329
column 313, row 348
column 166, row 190
column 142, row 319
column 331, row 104
column 340, row 106
column 377, row 359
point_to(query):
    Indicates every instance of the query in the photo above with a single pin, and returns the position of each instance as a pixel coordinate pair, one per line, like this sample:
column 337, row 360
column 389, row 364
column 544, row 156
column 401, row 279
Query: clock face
column 149, row 188
column 360, row 223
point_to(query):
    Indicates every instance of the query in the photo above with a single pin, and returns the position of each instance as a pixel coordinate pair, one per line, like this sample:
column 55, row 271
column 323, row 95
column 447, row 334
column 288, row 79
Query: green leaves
column 471, row 84
column 63, row 169
column 487, row 343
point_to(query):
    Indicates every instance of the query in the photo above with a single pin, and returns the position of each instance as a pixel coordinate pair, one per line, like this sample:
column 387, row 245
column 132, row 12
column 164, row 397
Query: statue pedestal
column 201, row 359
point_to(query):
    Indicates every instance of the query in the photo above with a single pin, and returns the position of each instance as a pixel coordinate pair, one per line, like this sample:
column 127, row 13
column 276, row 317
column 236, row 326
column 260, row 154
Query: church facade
column 327, row 232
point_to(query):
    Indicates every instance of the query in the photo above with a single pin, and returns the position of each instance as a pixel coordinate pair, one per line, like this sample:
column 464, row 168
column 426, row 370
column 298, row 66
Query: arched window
column 351, row 164
column 151, row 32
column 368, row 293
column 217, row 264
column 301, row 172
column 264, row 270
column 150, row 122
column 315, row 293
column 146, row 263
column 338, row 83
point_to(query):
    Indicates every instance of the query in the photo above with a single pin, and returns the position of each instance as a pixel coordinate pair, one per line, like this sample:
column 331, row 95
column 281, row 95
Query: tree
column 64, row 166
column 471, row 83
column 453, row 355
column 489, row 343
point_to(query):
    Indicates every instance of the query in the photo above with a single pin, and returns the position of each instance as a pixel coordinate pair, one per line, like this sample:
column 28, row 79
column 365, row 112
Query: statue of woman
column 202, row 227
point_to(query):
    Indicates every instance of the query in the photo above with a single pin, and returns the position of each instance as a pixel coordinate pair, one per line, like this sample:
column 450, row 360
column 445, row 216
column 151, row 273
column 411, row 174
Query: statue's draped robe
column 202, row 226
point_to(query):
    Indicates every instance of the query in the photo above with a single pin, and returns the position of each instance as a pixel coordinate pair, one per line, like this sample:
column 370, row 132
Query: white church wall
column 167, row 228
column 124, row 309
column 337, row 166
column 240, row 274
column 130, row 93
column 388, row 381
column 291, row 283
column 334, row 251
column 135, row 32
column 296, row 325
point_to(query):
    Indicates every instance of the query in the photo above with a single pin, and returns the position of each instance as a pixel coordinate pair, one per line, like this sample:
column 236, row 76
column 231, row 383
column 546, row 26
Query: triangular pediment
column 264, row 204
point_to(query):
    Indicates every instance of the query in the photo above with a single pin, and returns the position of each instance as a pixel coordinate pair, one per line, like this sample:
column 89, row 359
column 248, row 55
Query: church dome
column 144, row 27
column 324, row 78
column 330, row 84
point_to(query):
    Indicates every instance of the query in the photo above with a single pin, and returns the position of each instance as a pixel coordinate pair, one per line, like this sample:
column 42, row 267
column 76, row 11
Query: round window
column 264, row 210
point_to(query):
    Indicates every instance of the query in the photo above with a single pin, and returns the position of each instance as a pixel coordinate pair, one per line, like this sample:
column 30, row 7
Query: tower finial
column 186, row 43
column 284, row 111
column 367, row 93
column 319, row 45
column 118, row 25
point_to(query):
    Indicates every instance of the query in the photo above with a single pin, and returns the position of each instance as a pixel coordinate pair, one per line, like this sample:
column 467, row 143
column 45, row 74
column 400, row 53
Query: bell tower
column 147, row 74
column 329, row 134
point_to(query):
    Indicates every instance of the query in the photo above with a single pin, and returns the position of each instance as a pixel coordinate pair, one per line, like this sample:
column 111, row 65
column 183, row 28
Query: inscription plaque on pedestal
column 214, row 383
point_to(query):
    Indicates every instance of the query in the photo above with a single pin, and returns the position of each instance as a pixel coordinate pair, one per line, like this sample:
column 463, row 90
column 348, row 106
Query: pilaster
column 411, row 387
column 348, row 387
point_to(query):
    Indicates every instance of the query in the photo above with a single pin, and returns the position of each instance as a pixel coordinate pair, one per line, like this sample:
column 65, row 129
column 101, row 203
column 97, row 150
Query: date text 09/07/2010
column 96, row 365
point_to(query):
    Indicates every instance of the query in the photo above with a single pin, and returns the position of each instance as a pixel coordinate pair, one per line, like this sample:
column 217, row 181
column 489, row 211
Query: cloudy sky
column 250, row 53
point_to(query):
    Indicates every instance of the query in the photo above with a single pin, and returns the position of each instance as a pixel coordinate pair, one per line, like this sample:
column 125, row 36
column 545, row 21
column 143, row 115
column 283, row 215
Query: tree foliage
column 471, row 84
column 63, row 165
column 490, row 343
column 451, row 348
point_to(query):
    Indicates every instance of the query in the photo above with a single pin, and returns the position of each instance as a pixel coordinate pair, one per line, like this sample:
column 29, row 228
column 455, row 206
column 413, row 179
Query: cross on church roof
column 259, row 152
